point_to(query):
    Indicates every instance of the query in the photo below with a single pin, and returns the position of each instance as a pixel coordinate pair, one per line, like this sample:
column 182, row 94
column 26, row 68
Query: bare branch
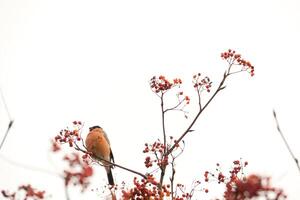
column 163, row 121
column 285, row 141
column 6, row 133
column 199, row 99
column 11, row 121
column 172, row 176
column 163, row 167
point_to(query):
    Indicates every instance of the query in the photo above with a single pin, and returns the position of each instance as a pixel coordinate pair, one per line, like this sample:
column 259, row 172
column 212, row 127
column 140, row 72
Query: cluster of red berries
column 173, row 142
column 221, row 178
column 239, row 187
column 55, row 146
column 87, row 157
column 237, row 167
column 146, row 189
column 30, row 192
column 188, row 195
column 161, row 84
column 201, row 84
column 235, row 59
column 184, row 195
column 252, row 186
column 69, row 136
column 185, row 98
column 79, row 171
column 206, row 176
column 148, row 162
column 157, row 149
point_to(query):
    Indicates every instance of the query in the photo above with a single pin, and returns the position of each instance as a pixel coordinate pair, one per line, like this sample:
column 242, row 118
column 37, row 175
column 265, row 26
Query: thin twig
column 172, row 177
column 235, row 72
column 6, row 133
column 199, row 99
column 181, row 150
column 174, row 107
column 173, row 168
column 11, row 121
column 285, row 142
column 195, row 184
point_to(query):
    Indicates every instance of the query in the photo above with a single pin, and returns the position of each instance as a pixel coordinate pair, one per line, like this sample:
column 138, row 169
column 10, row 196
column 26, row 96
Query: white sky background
column 91, row 61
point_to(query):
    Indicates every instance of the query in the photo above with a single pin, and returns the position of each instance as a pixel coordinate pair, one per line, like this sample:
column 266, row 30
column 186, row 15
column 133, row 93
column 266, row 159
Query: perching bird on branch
column 98, row 144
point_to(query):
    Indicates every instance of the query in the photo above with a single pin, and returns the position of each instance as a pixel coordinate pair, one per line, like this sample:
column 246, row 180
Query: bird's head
column 94, row 127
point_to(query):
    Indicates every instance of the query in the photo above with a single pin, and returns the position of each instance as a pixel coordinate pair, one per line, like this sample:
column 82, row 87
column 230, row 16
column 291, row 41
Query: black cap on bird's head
column 94, row 127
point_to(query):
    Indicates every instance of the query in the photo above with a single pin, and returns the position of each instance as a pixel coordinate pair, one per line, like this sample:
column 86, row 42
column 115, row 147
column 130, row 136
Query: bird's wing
column 111, row 154
column 105, row 136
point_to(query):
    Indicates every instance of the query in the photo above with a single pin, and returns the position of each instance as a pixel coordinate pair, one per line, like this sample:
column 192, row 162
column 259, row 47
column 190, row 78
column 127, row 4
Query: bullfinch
column 98, row 144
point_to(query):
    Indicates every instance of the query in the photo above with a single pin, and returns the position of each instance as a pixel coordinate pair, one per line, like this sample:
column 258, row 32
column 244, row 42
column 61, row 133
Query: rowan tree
column 162, row 153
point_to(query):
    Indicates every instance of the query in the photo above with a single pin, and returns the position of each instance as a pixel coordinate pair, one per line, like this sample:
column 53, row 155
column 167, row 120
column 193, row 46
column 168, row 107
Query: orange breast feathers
column 97, row 144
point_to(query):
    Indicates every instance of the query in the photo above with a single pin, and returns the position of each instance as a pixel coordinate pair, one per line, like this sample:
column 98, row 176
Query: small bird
column 98, row 144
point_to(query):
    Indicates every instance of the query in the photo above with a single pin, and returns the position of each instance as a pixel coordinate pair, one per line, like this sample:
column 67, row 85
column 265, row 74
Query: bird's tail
column 110, row 177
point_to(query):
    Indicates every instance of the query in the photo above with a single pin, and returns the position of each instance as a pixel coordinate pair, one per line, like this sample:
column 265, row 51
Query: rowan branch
column 220, row 87
column 285, row 141
column 11, row 121
column 6, row 133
